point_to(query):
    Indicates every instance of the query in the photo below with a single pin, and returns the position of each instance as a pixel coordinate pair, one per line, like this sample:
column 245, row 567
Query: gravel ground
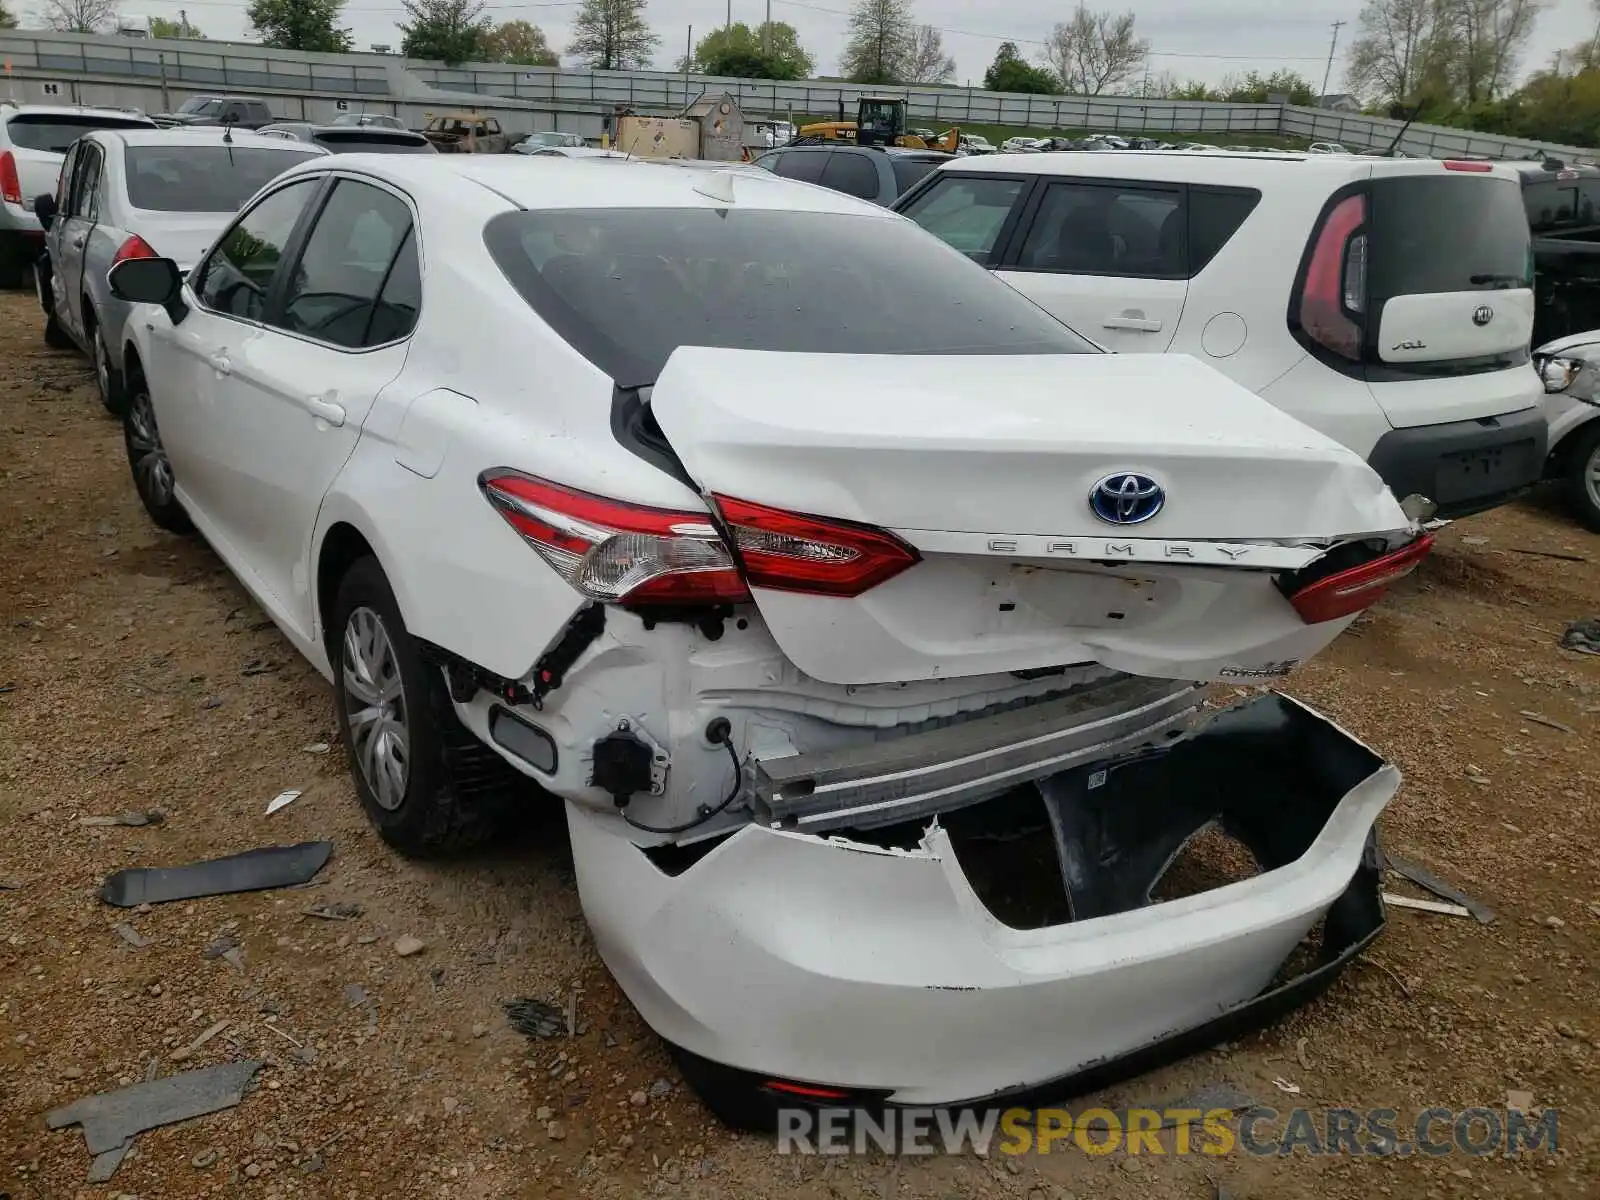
column 136, row 674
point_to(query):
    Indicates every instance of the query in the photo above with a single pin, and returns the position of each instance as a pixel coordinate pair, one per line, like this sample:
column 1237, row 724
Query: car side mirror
column 44, row 207
column 150, row 281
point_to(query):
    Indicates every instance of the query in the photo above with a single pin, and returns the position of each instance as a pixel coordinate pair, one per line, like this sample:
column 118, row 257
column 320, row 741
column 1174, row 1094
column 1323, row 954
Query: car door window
column 769, row 162
column 852, row 174
column 967, row 212
column 1107, row 229
column 86, row 182
column 802, row 165
column 238, row 275
column 69, row 168
column 395, row 314
column 343, row 268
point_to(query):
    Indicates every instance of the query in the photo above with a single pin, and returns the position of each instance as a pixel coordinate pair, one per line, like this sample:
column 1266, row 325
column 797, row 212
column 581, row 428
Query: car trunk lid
column 994, row 468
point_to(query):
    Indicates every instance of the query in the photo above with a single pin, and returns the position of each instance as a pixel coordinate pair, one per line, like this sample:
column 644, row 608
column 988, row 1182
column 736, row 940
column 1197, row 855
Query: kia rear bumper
column 1464, row 467
column 882, row 966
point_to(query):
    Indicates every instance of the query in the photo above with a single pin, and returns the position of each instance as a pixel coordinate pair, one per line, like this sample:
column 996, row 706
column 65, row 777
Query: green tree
column 160, row 27
column 1010, row 72
column 519, row 42
column 613, row 35
column 1255, row 87
column 299, row 24
column 7, row 21
column 740, row 52
column 882, row 37
column 451, row 31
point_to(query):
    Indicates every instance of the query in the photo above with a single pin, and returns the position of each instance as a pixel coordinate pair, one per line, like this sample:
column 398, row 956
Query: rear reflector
column 1350, row 591
column 816, row 555
column 134, row 247
column 1466, row 164
column 809, row 1092
column 10, row 182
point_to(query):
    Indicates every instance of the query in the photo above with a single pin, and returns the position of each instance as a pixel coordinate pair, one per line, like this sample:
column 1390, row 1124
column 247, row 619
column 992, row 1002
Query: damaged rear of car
column 928, row 624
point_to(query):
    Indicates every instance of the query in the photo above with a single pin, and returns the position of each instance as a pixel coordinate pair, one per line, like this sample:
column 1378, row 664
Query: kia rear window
column 1446, row 233
column 628, row 286
column 54, row 132
column 218, row 178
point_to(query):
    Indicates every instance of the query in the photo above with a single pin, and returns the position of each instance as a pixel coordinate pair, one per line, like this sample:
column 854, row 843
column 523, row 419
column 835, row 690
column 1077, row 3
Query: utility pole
column 728, row 24
column 766, row 31
column 183, row 22
column 688, row 61
column 1328, row 74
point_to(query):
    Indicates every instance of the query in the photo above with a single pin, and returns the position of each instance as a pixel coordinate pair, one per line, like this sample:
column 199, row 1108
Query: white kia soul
column 1386, row 302
column 828, row 616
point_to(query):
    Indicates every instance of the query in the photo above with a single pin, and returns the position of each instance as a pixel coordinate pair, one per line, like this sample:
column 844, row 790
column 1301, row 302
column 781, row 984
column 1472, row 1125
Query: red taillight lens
column 816, row 555
column 134, row 247
column 1335, row 283
column 1466, row 164
column 1350, row 591
column 618, row 552
column 10, row 183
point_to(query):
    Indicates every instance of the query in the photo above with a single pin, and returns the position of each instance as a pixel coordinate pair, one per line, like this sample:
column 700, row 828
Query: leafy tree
column 299, row 24
column 451, row 31
column 1009, row 72
column 612, row 35
column 926, row 61
column 519, row 42
column 80, row 16
column 1096, row 52
column 7, row 21
column 882, row 39
column 1255, row 87
column 739, row 52
column 160, row 27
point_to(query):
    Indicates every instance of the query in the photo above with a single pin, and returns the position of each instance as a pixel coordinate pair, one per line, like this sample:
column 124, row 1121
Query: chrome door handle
column 326, row 410
column 221, row 364
column 1127, row 321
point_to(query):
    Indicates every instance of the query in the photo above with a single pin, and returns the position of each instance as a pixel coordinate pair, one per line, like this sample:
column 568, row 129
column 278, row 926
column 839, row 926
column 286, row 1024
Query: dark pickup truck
column 1563, row 206
column 242, row 112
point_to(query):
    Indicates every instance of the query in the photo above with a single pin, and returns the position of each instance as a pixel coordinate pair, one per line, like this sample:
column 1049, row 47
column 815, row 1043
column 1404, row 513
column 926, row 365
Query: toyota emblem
column 1482, row 315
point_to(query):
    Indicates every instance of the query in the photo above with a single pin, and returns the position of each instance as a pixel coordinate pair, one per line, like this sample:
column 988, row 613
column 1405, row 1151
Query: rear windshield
column 1447, row 233
column 628, row 286
column 372, row 141
column 203, row 178
column 50, row 131
column 203, row 106
column 908, row 171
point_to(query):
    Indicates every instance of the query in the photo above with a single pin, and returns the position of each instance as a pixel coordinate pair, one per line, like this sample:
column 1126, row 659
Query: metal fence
column 90, row 68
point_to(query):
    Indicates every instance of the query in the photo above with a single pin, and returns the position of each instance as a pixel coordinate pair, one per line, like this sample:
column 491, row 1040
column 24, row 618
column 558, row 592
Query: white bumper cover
column 845, row 964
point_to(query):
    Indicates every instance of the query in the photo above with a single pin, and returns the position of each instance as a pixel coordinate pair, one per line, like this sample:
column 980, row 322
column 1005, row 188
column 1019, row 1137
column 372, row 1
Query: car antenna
column 1395, row 145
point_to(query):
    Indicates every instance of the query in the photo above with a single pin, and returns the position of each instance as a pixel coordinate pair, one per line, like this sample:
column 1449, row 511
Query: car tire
column 1581, row 478
column 147, row 460
column 428, row 786
column 107, row 379
column 56, row 337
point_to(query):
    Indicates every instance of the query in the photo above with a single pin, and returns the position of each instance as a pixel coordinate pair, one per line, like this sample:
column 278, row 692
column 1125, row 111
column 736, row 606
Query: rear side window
column 345, row 264
column 1215, row 215
column 219, row 178
column 1107, row 229
column 1446, row 233
column 853, row 174
column 1551, row 205
column 41, row 131
column 805, row 166
column 966, row 212
column 627, row 286
column 909, row 171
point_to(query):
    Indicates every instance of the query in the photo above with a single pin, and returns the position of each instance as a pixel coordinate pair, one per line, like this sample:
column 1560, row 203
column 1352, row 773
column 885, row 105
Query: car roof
column 562, row 182
column 1220, row 167
column 204, row 136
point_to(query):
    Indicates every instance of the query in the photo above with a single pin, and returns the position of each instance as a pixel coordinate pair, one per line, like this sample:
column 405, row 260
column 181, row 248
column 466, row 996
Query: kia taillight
column 823, row 557
column 1334, row 294
column 134, row 247
column 1349, row 591
column 10, row 182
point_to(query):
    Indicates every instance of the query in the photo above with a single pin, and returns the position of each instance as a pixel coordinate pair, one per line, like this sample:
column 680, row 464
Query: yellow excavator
column 880, row 121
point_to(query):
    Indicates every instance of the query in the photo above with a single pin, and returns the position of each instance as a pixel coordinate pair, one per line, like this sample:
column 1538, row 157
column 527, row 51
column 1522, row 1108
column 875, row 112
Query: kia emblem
column 1482, row 315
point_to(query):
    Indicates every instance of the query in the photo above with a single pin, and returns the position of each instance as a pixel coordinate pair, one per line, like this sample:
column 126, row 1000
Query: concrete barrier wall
column 157, row 75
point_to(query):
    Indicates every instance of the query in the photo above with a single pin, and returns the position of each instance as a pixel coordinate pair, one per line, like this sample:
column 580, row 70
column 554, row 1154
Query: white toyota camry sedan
column 856, row 610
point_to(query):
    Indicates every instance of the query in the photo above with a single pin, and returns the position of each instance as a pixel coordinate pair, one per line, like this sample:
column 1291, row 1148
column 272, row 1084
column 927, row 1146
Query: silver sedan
column 140, row 194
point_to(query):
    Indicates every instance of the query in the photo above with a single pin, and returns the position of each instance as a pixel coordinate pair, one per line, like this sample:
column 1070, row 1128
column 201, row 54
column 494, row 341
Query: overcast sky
column 1207, row 40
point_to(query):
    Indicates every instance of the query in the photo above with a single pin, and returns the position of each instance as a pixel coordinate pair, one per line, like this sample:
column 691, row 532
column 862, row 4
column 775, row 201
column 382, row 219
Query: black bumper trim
column 1430, row 460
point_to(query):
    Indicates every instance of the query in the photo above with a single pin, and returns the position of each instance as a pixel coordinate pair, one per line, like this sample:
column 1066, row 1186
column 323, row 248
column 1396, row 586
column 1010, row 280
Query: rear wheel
column 54, row 336
column 427, row 784
column 147, row 459
column 1582, row 479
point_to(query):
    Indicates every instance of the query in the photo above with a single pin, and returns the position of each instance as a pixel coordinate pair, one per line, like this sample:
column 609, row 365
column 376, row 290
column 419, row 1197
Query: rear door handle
column 327, row 410
column 221, row 364
column 77, row 241
column 1138, row 324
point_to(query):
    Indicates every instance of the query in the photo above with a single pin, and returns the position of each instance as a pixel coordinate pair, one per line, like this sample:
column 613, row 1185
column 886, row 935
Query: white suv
column 1387, row 303
column 644, row 483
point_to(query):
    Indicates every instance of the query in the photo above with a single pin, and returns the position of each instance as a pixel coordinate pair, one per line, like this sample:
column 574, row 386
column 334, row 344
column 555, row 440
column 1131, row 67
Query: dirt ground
column 136, row 674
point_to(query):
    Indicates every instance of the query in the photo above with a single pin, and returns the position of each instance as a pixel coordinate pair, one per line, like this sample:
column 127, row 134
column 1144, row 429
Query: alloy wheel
column 375, row 707
column 152, row 473
column 1591, row 476
column 102, row 366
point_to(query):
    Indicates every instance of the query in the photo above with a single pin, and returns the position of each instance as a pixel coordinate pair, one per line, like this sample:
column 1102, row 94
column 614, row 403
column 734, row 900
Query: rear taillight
column 1467, row 164
column 1349, row 591
column 10, row 182
column 134, row 247
column 822, row 557
column 1334, row 293
column 617, row 552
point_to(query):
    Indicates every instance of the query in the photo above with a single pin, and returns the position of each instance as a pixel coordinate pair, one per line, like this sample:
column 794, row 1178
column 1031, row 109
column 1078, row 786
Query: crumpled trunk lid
column 1066, row 508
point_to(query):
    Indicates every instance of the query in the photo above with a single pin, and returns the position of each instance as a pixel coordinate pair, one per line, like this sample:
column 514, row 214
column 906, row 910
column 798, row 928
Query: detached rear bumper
column 782, row 955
